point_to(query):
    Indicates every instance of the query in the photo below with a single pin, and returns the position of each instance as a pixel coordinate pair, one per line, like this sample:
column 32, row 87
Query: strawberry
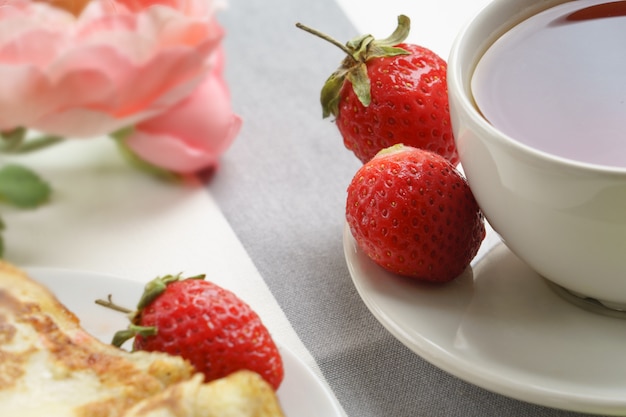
column 387, row 92
column 208, row 325
column 414, row 214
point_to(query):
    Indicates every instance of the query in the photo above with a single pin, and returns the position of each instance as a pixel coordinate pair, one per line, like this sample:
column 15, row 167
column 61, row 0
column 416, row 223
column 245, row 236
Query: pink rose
column 192, row 135
column 115, row 64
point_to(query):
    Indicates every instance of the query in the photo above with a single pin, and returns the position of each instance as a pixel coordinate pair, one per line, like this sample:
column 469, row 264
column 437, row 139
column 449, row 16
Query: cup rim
column 460, row 87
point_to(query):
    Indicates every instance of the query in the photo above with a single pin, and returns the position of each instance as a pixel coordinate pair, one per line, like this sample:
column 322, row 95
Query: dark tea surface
column 557, row 82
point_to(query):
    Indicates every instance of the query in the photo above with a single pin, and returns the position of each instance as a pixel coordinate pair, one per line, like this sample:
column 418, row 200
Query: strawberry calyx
column 121, row 336
column 152, row 290
column 354, row 66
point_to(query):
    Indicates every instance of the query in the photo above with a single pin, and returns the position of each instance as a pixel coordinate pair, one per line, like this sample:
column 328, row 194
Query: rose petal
column 127, row 60
column 192, row 135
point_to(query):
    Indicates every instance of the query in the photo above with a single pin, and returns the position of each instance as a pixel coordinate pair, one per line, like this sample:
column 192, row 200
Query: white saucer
column 501, row 327
column 301, row 393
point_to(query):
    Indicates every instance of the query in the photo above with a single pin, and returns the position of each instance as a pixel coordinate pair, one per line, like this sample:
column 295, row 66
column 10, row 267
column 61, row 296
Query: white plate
column 301, row 394
column 501, row 327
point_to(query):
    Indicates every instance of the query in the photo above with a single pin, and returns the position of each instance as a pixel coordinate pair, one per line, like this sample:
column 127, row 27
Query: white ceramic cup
column 565, row 219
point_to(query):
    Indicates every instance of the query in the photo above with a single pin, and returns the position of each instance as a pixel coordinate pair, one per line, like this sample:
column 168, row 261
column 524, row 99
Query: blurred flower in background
column 183, row 139
column 147, row 73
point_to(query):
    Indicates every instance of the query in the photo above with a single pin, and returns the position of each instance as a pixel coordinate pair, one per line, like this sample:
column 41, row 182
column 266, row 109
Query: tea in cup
column 538, row 103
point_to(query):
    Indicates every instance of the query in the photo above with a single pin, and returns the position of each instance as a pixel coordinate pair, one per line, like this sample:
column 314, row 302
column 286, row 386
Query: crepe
column 50, row 366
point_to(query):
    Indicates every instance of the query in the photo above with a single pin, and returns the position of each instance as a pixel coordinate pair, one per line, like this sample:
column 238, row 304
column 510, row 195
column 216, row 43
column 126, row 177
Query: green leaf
column 361, row 83
column 376, row 51
column 400, row 33
column 120, row 337
column 22, row 187
column 360, row 46
column 329, row 96
column 155, row 288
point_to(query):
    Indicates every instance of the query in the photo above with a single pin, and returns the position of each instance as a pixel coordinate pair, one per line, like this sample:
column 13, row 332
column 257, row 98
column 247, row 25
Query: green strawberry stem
column 15, row 141
column 326, row 38
column 108, row 303
column 354, row 67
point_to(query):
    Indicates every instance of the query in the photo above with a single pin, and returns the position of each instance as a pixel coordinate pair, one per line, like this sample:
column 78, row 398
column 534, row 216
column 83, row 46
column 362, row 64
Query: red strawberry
column 208, row 325
column 414, row 214
column 387, row 92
